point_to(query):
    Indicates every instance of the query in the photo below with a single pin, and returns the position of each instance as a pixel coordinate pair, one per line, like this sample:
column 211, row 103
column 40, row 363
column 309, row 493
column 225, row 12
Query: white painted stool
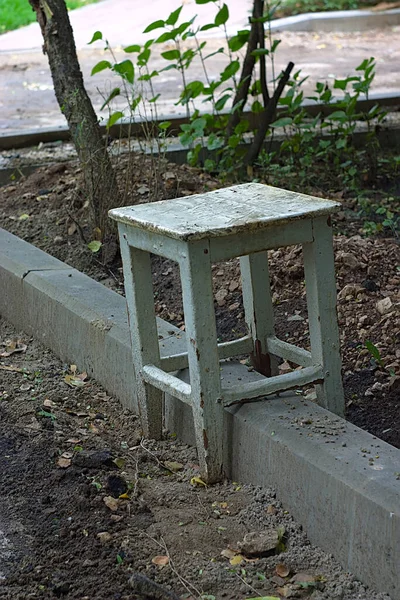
column 195, row 231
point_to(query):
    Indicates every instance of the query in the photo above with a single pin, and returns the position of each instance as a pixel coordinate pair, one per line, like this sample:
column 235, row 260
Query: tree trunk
column 99, row 178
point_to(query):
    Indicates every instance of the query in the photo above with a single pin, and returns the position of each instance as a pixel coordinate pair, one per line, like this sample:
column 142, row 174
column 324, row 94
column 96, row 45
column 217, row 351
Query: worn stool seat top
column 237, row 209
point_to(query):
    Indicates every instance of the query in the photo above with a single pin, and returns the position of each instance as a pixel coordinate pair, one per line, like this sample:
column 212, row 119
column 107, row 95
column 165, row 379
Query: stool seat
column 240, row 221
column 229, row 211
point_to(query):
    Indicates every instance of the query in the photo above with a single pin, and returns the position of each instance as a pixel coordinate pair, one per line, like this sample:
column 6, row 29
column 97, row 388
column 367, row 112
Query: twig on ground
column 186, row 584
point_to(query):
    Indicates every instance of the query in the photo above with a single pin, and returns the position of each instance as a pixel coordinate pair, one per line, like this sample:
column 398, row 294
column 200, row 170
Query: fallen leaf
column 119, row 462
column 282, row 570
column 124, row 496
column 72, row 229
column 160, row 561
column 228, row 553
column 73, row 441
column 14, row 369
column 104, row 537
column 13, row 346
column 94, row 246
column 74, row 381
column 236, row 560
column 197, row 481
column 303, row 578
column 67, row 455
column 49, row 403
column 111, row 503
column 64, row 463
column 173, row 466
column 93, row 429
column 23, row 217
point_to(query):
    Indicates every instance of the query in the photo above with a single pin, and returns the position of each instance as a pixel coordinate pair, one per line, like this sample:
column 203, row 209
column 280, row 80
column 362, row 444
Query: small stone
column 58, row 239
column 116, row 485
column 350, row 261
column 234, row 306
column 394, row 383
column 233, row 286
column 370, row 285
column 384, row 306
column 104, row 537
column 284, row 368
column 377, row 387
column 220, row 297
column 93, row 459
column 259, row 543
column 311, row 396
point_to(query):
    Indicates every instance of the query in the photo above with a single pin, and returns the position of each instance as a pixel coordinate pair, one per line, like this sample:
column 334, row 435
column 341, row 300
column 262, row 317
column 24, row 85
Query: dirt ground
column 47, row 210
column 90, row 510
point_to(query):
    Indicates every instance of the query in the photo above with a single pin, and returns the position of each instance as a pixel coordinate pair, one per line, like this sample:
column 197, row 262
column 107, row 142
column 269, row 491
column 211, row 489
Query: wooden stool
column 246, row 221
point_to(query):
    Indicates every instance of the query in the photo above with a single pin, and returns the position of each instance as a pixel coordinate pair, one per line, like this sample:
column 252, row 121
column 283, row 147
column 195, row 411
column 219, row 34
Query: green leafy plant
column 219, row 132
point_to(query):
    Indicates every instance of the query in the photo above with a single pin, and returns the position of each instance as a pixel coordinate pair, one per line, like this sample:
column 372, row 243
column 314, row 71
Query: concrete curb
column 338, row 20
column 325, row 469
column 125, row 128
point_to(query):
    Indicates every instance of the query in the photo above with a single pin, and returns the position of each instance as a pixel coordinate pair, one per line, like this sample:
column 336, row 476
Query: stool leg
column 144, row 336
column 205, row 381
column 258, row 309
column 321, row 301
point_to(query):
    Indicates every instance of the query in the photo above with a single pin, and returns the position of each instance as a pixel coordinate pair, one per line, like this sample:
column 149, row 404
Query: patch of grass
column 17, row 13
column 295, row 7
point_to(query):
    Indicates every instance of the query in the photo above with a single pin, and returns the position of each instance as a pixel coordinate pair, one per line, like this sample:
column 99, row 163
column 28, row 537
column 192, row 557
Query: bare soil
column 90, row 510
column 47, row 209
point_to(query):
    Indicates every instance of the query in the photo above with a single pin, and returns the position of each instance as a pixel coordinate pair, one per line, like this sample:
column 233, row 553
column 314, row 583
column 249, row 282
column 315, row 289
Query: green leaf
column 165, row 37
column 230, row 70
column 143, row 57
column 154, row 25
column 45, row 413
column 133, row 48
column 164, row 125
column 125, row 69
column 222, row 16
column 257, row 107
column 283, row 122
column 260, row 52
column 115, row 92
column 94, row 246
column 135, row 102
column 101, row 66
column 274, row 45
column 114, row 118
column 204, row 1
column 174, row 16
column 219, row 105
column 239, row 40
column 338, row 115
column 340, row 84
column 96, row 36
column 208, row 26
column 373, row 350
column 171, row 55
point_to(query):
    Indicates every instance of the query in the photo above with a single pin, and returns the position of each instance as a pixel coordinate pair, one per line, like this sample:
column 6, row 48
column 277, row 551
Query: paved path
column 26, row 93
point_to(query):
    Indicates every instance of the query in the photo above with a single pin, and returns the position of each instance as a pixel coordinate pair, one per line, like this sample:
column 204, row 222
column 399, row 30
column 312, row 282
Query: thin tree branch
column 267, row 117
column 242, row 92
